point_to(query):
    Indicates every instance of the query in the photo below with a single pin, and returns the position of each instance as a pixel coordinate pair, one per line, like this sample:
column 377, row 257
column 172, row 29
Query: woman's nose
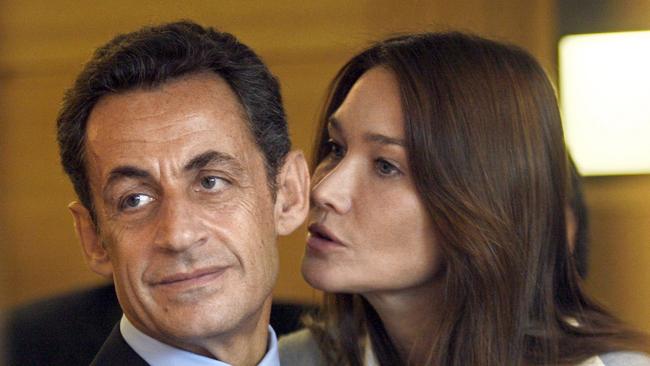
column 332, row 189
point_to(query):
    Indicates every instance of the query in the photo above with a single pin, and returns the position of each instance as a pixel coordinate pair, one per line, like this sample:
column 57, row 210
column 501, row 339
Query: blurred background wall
column 619, row 206
column 44, row 43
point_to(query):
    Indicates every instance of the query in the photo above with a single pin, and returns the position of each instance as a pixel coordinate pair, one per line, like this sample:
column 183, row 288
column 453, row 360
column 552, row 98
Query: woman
column 437, row 229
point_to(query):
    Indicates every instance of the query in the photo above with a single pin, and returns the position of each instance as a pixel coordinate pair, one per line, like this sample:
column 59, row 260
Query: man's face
column 184, row 211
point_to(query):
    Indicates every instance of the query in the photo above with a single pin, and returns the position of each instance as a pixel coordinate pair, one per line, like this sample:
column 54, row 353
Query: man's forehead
column 171, row 103
column 197, row 113
column 165, row 128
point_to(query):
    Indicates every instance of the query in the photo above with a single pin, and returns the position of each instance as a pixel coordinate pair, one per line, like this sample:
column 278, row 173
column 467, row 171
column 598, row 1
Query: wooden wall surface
column 619, row 274
column 44, row 43
column 619, row 206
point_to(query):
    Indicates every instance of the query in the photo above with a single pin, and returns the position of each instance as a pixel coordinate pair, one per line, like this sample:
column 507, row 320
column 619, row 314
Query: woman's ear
column 571, row 227
column 95, row 254
column 292, row 195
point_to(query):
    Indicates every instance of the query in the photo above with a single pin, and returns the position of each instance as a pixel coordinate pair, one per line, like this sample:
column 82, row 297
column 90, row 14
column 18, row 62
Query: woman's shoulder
column 300, row 348
column 619, row 359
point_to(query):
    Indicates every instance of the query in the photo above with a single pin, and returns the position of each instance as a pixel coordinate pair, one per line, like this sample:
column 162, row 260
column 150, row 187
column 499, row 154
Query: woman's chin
column 322, row 279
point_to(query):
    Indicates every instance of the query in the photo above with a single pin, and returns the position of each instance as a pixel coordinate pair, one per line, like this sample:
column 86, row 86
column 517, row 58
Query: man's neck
column 245, row 346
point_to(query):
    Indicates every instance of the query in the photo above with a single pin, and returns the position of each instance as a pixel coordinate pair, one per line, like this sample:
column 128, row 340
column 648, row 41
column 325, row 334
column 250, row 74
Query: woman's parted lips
column 323, row 232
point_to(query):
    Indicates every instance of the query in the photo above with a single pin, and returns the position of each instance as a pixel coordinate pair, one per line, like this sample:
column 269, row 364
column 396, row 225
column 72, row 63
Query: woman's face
column 368, row 230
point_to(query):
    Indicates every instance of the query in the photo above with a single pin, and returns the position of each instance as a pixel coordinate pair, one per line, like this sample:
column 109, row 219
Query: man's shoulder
column 115, row 351
column 66, row 329
column 300, row 348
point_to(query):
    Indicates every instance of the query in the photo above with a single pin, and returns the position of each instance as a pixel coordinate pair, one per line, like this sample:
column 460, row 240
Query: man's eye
column 213, row 183
column 134, row 201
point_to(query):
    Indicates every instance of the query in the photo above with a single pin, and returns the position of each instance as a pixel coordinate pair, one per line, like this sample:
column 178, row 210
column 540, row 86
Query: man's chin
column 191, row 298
column 185, row 328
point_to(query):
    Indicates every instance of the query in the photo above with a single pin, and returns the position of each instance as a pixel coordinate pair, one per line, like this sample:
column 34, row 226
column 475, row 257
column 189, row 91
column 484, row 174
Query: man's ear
column 94, row 252
column 292, row 198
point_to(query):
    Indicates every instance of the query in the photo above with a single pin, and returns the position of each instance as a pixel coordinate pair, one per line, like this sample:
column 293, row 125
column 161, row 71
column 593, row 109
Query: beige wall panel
column 619, row 206
column 527, row 23
column 39, row 245
column 44, row 43
column 65, row 32
column 620, row 245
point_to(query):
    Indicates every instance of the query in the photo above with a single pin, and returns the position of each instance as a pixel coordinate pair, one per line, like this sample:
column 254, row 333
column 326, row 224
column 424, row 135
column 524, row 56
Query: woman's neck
column 410, row 318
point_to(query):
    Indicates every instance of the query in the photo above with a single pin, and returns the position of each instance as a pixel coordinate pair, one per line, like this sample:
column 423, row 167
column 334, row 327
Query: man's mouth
column 191, row 278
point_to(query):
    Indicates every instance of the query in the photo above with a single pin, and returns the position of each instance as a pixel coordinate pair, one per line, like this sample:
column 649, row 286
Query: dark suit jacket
column 116, row 351
column 63, row 330
column 69, row 329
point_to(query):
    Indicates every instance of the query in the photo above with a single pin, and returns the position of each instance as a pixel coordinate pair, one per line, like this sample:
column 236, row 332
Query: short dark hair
column 154, row 55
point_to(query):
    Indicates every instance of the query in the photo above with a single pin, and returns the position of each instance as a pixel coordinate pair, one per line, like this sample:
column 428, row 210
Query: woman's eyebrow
column 383, row 139
column 333, row 123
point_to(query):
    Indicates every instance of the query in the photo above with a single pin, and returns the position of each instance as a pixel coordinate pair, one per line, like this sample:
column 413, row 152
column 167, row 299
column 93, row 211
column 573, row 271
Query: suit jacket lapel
column 115, row 351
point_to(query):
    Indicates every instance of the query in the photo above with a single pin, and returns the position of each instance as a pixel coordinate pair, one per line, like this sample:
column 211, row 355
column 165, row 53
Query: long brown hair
column 486, row 148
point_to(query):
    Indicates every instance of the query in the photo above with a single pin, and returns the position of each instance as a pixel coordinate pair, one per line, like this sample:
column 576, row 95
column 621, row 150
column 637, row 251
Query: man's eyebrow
column 126, row 171
column 198, row 162
column 123, row 171
column 210, row 157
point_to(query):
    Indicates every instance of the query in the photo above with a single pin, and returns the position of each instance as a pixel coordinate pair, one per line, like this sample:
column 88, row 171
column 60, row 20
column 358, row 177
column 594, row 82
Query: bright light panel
column 605, row 98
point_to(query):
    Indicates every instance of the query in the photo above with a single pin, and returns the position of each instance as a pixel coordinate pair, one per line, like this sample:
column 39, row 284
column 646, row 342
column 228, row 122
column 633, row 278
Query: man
column 176, row 142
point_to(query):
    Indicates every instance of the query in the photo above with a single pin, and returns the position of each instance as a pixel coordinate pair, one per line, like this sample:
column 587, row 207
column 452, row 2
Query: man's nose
column 333, row 188
column 179, row 227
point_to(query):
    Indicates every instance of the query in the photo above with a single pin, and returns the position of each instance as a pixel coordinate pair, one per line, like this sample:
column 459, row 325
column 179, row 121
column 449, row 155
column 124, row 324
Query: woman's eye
column 134, row 201
column 335, row 149
column 386, row 168
column 213, row 183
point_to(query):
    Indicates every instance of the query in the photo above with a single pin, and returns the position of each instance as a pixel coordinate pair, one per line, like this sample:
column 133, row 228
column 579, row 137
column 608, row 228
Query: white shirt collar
column 157, row 353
